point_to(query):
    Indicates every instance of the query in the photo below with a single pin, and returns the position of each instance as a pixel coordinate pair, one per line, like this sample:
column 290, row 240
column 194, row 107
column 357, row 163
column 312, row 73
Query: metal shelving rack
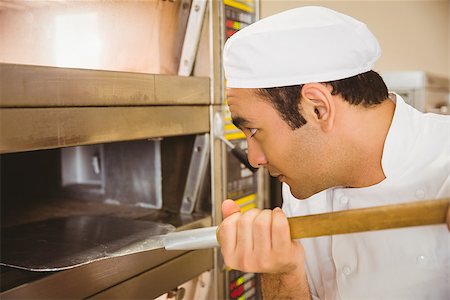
column 48, row 108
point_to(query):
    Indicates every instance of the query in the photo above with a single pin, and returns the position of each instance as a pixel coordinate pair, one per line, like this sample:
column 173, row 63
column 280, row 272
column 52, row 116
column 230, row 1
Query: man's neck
column 370, row 129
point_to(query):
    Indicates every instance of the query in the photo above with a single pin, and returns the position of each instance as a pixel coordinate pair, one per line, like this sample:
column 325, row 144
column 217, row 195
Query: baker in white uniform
column 300, row 85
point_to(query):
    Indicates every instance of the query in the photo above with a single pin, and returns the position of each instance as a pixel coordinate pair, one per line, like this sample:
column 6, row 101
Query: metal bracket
column 192, row 37
column 196, row 173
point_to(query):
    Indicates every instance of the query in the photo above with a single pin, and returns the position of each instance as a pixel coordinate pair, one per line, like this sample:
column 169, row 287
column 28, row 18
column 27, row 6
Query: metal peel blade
column 65, row 243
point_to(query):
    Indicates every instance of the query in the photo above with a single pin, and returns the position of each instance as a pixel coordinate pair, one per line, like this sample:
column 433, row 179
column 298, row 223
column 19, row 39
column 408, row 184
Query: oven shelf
column 142, row 275
column 47, row 107
column 87, row 280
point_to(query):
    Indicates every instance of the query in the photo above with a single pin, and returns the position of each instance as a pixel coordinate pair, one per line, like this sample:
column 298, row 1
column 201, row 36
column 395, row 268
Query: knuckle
column 248, row 217
column 260, row 224
column 244, row 222
column 251, row 213
column 262, row 221
column 279, row 222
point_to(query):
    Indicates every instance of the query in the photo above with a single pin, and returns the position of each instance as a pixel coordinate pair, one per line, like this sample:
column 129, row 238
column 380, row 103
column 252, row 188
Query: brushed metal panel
column 81, row 282
column 161, row 279
column 218, row 193
column 181, row 89
column 25, row 129
column 87, row 34
column 64, row 243
column 37, row 86
column 216, row 43
column 87, row 280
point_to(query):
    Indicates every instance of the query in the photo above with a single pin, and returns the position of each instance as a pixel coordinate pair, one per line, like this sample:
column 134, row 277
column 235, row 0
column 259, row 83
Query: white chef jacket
column 407, row 263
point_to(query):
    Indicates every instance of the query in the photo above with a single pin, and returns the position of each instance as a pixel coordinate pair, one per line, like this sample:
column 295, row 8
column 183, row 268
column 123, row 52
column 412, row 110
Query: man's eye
column 252, row 131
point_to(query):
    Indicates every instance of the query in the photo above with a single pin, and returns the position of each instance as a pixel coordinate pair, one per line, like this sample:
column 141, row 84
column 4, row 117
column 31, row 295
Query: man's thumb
column 229, row 207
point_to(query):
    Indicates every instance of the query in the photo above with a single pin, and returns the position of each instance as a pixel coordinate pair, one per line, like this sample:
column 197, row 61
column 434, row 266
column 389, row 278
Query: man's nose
column 256, row 156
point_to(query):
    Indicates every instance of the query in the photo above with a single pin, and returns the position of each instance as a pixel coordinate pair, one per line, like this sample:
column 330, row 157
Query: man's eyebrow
column 239, row 122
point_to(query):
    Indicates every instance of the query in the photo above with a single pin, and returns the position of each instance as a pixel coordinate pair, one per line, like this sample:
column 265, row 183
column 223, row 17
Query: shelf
column 155, row 272
column 45, row 108
column 26, row 129
column 163, row 278
column 38, row 86
column 87, row 280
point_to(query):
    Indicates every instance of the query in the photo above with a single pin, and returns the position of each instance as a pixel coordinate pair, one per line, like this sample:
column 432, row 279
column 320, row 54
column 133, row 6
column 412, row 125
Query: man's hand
column 258, row 241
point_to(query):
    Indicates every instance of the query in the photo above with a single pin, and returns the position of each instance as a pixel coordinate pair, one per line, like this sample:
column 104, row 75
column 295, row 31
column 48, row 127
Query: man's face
column 294, row 156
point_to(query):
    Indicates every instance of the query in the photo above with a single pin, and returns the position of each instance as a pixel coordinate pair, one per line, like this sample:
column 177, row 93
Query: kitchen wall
column 413, row 34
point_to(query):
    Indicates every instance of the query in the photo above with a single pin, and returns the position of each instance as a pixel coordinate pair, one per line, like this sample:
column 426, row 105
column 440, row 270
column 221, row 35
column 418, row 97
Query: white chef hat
column 301, row 45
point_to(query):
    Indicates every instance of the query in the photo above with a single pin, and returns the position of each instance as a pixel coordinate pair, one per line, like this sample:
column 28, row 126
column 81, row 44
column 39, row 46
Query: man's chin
column 301, row 194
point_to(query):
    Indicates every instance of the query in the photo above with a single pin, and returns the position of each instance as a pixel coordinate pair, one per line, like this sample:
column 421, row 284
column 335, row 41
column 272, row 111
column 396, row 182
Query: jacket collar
column 401, row 138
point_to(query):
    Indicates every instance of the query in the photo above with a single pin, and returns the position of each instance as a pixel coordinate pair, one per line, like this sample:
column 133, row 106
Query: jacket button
column 421, row 259
column 420, row 194
column 343, row 200
column 346, row 270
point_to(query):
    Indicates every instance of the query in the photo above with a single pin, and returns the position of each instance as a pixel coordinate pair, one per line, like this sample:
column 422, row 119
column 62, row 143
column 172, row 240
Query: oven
column 109, row 113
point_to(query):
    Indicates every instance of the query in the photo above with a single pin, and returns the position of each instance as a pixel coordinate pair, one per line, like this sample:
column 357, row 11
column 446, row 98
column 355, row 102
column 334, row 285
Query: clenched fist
column 258, row 241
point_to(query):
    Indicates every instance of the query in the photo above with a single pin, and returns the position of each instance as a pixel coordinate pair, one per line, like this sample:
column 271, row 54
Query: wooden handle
column 366, row 219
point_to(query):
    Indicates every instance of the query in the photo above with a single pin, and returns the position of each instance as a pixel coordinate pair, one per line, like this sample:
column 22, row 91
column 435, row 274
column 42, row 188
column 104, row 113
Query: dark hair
column 367, row 89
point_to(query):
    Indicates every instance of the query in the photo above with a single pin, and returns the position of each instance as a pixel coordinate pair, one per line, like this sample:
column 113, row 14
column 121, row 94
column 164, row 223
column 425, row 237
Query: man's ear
column 318, row 102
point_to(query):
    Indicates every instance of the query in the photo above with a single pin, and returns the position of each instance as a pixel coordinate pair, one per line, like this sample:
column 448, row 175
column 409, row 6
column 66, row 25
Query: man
column 300, row 86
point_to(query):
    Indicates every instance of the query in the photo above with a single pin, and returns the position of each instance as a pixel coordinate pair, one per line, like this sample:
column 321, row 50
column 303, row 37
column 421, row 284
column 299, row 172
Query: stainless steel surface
column 65, row 243
column 87, row 34
column 133, row 173
column 218, row 187
column 35, row 209
column 192, row 37
column 86, row 280
column 44, row 128
column 82, row 165
column 36, row 86
column 218, row 153
column 89, row 279
column 163, row 278
column 194, row 239
column 216, row 35
column 196, row 173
